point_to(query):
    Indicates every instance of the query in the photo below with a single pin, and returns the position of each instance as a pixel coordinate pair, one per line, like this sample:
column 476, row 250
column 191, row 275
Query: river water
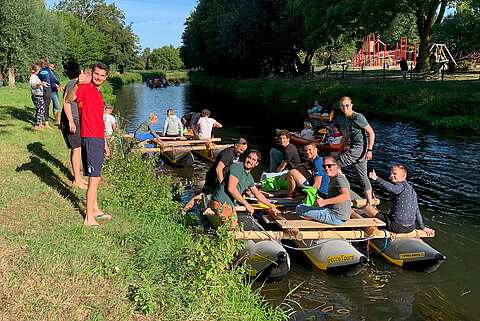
column 444, row 170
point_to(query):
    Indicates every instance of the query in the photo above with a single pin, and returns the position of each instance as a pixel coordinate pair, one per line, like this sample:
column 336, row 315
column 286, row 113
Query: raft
column 408, row 253
column 321, row 145
column 211, row 152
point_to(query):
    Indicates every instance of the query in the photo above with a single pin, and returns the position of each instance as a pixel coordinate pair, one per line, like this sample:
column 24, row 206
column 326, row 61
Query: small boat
column 408, row 253
column 322, row 146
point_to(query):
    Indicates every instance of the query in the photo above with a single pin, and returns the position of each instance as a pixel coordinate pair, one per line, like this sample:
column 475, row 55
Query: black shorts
column 306, row 173
column 92, row 156
column 394, row 226
column 71, row 140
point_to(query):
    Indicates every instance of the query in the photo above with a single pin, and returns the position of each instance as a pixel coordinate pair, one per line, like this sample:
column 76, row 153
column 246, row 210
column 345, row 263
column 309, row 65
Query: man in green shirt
column 360, row 138
column 237, row 181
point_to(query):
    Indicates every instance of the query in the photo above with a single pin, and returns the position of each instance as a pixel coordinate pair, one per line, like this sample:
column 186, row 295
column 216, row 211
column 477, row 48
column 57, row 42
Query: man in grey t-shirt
column 335, row 209
column 360, row 147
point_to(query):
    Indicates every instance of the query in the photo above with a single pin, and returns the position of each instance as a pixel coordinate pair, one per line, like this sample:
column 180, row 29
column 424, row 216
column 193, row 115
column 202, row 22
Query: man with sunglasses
column 237, row 181
column 357, row 129
column 335, row 208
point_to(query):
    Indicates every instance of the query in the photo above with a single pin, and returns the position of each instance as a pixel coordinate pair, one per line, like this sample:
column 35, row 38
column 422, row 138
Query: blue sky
column 156, row 22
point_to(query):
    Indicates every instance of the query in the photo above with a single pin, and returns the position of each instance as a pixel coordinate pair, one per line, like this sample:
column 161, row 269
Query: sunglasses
column 329, row 165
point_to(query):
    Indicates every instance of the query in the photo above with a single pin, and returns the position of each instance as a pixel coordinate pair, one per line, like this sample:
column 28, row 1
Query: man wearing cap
column 218, row 170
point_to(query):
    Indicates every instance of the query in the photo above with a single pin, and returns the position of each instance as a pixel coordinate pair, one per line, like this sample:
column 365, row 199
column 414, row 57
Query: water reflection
column 443, row 170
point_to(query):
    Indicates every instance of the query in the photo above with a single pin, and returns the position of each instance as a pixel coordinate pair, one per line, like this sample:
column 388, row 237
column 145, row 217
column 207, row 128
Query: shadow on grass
column 25, row 114
column 37, row 149
column 47, row 176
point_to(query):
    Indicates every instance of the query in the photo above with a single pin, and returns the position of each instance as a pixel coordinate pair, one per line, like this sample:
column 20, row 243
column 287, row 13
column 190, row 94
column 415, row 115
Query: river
column 444, row 170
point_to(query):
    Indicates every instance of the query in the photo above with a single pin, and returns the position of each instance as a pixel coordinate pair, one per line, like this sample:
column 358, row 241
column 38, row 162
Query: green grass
column 445, row 105
column 172, row 76
column 147, row 264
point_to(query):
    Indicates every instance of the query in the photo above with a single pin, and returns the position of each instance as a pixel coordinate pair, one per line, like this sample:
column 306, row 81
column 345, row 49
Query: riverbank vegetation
column 446, row 105
column 146, row 264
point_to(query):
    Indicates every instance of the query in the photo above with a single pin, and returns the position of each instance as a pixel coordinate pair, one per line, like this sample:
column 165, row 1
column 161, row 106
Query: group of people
column 228, row 179
column 44, row 86
column 199, row 124
column 86, row 123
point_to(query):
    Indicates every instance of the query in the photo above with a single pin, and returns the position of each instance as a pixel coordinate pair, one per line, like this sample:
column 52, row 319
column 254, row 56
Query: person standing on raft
column 360, row 148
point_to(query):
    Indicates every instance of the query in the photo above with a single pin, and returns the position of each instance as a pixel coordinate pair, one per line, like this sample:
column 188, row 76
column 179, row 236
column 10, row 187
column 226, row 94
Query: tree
column 165, row 58
column 85, row 44
column 21, row 40
column 123, row 45
column 327, row 20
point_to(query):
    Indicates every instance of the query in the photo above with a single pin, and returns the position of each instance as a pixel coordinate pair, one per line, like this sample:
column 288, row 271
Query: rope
column 385, row 242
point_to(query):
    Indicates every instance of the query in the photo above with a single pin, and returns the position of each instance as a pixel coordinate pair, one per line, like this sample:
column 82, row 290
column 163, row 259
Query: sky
column 156, row 22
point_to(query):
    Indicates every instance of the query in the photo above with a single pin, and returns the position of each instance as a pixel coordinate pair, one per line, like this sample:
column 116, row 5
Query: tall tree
column 165, row 58
column 22, row 37
column 122, row 47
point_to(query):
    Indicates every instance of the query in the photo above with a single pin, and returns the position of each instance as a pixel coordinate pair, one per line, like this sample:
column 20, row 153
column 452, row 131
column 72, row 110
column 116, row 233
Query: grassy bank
column 146, row 264
column 172, row 76
column 445, row 105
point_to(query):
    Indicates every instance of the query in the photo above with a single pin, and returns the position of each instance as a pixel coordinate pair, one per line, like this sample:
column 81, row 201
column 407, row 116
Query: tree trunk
column 426, row 18
column 11, row 76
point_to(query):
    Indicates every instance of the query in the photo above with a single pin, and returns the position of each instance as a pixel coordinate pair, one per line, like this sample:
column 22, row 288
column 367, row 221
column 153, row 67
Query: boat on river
column 321, row 143
column 178, row 151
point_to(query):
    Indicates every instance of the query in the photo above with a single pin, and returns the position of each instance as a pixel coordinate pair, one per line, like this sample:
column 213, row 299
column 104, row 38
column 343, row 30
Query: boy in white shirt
column 109, row 120
column 205, row 125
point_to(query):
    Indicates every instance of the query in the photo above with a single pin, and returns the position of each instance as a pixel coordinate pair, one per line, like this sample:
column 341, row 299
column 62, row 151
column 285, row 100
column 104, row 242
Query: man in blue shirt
column 309, row 174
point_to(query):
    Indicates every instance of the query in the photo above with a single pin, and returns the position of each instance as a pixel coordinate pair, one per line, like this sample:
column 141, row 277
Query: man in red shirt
column 90, row 105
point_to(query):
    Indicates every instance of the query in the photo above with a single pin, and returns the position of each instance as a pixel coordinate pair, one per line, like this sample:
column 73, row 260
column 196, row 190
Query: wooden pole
column 320, row 235
column 415, row 53
column 189, row 142
column 180, row 149
column 406, row 48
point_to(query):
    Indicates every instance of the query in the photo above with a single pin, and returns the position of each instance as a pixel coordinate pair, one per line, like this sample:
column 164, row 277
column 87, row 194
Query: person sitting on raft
column 318, row 115
column 172, row 126
column 145, row 130
column 307, row 131
column 224, row 159
column 302, row 177
column 206, row 124
column 335, row 208
column 238, row 180
column 189, row 121
column 285, row 156
column 404, row 214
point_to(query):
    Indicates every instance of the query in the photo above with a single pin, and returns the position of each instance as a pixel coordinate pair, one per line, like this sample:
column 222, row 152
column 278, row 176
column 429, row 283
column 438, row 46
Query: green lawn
column 144, row 265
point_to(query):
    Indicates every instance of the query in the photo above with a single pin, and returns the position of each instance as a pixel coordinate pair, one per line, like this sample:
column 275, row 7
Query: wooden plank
column 319, row 235
column 178, row 149
column 351, row 223
column 189, row 142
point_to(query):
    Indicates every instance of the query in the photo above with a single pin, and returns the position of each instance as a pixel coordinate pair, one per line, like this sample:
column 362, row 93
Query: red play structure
column 374, row 52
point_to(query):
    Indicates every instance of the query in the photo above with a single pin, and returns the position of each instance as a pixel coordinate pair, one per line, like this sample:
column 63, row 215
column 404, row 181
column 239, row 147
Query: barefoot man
column 92, row 131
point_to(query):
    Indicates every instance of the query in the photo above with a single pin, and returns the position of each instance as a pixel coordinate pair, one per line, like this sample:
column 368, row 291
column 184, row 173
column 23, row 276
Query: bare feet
column 91, row 223
column 38, row 127
column 80, row 185
column 46, row 125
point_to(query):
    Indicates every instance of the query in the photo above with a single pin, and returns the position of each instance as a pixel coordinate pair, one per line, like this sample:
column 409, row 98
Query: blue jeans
column 55, row 101
column 276, row 158
column 320, row 214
